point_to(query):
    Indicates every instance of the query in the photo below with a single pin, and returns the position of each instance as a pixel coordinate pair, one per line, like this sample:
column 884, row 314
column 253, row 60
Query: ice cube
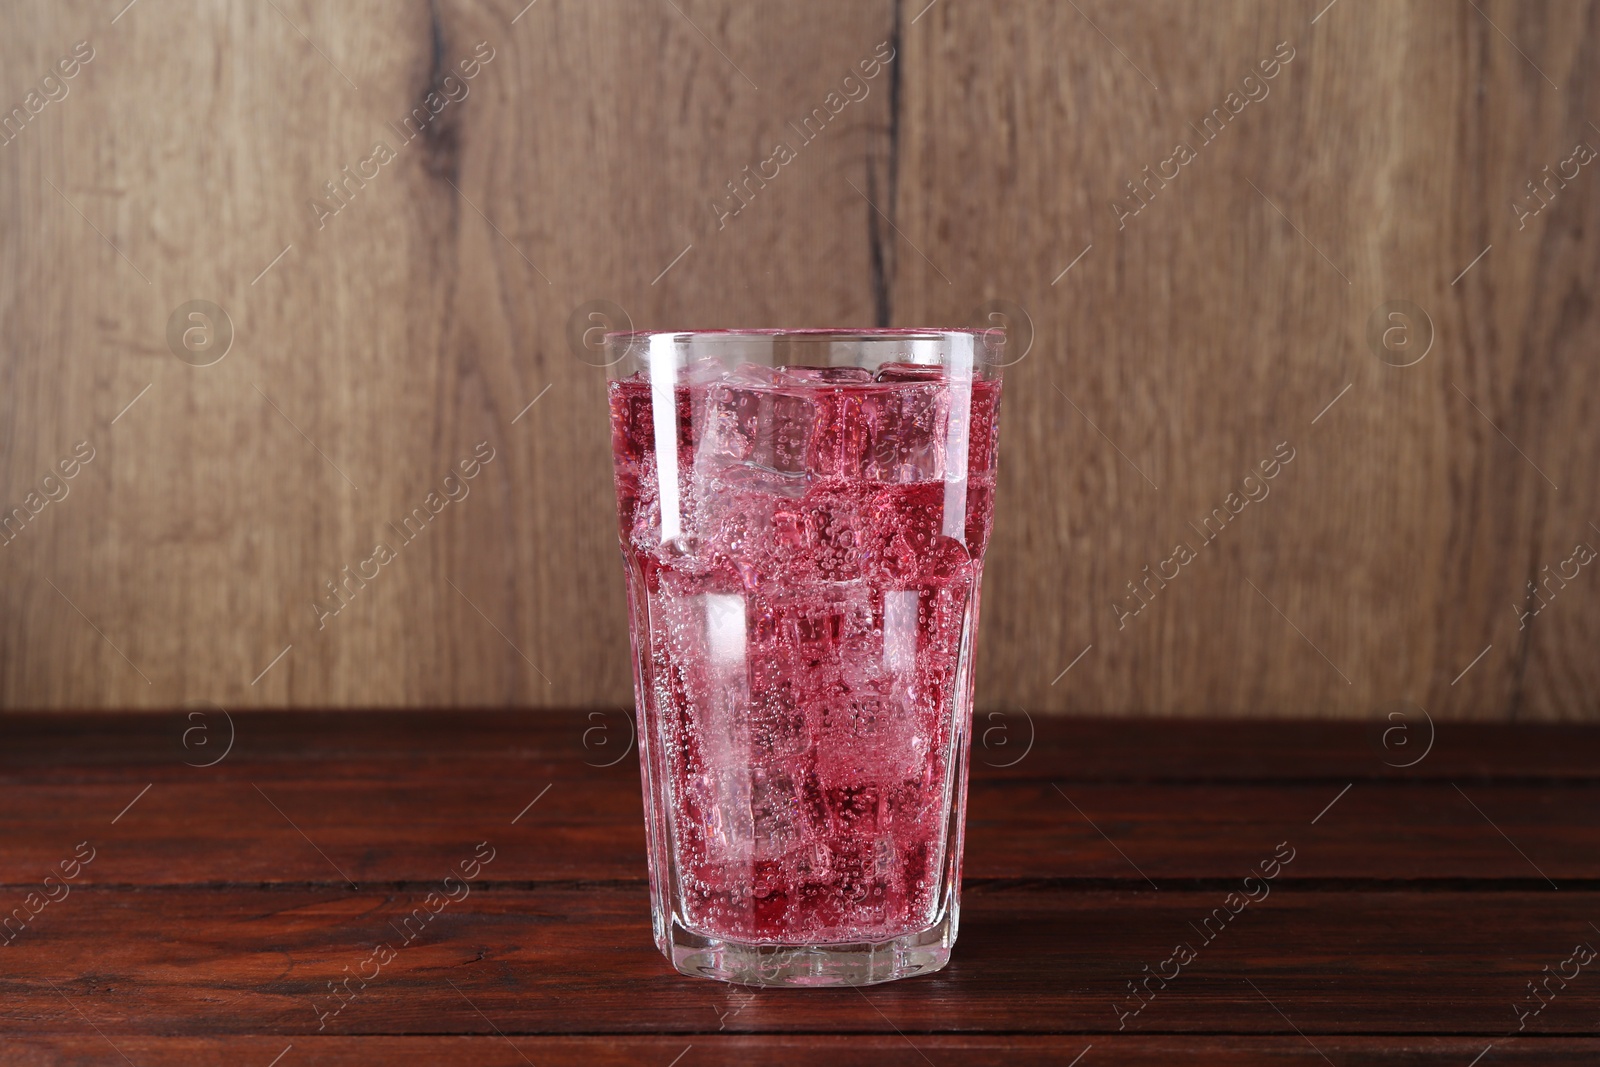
column 866, row 718
column 885, row 858
column 839, row 437
column 753, row 478
column 854, row 807
column 729, row 828
column 788, row 437
column 903, row 521
column 749, row 422
column 837, row 534
column 646, row 532
column 701, row 371
column 898, row 558
column 812, row 634
column 906, row 433
column 816, row 862
column 774, row 812
column 729, row 422
column 909, row 372
column 947, row 561
column 753, row 374
column 826, row 375
column 777, row 722
column 910, row 800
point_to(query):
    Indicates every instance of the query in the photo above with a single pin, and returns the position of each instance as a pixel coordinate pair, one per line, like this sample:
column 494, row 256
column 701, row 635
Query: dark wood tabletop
column 192, row 887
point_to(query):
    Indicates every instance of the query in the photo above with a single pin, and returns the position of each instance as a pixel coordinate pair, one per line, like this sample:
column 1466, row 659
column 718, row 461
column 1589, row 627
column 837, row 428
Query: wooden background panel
column 376, row 346
column 1226, row 315
column 392, row 336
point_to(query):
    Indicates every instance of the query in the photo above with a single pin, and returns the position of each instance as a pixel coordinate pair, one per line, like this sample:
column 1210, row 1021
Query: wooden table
column 204, row 912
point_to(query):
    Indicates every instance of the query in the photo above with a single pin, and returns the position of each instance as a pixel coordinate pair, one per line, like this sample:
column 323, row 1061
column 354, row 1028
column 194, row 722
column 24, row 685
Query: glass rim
column 629, row 352
column 868, row 332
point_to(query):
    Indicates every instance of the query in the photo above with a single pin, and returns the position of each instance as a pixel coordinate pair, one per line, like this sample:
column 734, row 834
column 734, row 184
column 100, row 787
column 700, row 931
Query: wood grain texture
column 585, row 161
column 562, row 959
column 1222, row 319
column 1192, row 816
column 800, row 1050
column 208, row 925
column 392, row 337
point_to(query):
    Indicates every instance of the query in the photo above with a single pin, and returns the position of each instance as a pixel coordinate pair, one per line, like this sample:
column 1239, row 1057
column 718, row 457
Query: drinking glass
column 803, row 515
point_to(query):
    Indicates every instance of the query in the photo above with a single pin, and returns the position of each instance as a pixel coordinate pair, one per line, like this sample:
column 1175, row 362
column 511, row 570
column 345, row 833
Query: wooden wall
column 1175, row 348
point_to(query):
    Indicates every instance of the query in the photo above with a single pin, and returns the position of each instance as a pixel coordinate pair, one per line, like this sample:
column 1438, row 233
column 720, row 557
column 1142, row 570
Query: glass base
column 856, row 964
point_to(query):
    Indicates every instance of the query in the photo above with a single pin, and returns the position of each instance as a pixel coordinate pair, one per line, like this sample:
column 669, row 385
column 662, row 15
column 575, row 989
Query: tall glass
column 803, row 515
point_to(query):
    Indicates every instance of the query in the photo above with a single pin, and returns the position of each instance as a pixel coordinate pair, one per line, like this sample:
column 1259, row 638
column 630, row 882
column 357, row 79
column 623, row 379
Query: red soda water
column 803, row 624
